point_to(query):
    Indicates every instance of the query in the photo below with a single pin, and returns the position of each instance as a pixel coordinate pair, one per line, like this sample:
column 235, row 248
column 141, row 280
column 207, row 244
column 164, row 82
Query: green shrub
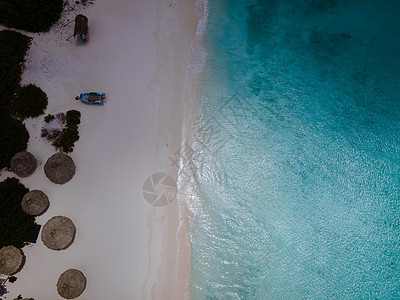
column 30, row 101
column 13, row 47
column 14, row 222
column 70, row 133
column 30, row 15
column 13, row 138
column 67, row 140
column 13, row 134
column 49, row 118
column 73, row 118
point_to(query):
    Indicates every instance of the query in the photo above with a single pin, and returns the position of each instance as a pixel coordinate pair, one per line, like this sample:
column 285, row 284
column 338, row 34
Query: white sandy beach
column 136, row 53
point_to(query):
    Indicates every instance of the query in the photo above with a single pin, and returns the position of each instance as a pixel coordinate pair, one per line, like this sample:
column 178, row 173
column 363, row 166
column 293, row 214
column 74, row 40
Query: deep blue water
column 296, row 190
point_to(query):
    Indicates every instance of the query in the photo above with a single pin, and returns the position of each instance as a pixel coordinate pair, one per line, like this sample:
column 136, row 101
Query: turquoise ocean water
column 295, row 191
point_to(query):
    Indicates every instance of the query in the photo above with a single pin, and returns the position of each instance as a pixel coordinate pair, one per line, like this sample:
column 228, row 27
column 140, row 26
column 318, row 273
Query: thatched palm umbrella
column 71, row 284
column 58, row 233
column 35, row 203
column 60, row 168
column 11, row 260
column 23, row 164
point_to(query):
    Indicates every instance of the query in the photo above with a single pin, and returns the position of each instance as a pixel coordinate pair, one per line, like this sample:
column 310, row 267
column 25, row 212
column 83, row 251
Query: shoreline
column 121, row 144
column 174, row 268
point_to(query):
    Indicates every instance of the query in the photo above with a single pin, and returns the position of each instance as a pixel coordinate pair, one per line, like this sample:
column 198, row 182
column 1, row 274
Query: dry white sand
column 136, row 54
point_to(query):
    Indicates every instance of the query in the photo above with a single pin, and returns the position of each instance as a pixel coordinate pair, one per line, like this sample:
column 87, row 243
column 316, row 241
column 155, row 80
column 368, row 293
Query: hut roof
column 35, row 203
column 71, row 284
column 11, row 260
column 58, row 233
column 23, row 164
column 59, row 168
column 81, row 25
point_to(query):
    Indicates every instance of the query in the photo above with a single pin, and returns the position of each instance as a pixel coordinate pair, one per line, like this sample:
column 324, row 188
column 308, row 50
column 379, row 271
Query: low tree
column 30, row 15
column 13, row 47
column 13, row 138
column 30, row 101
column 14, row 222
column 70, row 133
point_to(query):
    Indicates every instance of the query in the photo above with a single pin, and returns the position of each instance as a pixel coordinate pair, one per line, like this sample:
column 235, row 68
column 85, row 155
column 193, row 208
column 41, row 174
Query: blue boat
column 92, row 97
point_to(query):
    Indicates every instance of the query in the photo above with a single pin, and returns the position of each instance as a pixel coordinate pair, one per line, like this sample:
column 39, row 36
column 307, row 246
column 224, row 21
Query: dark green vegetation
column 14, row 222
column 13, row 138
column 73, row 118
column 13, row 134
column 13, row 47
column 30, row 15
column 63, row 130
column 15, row 101
column 49, row 118
column 70, row 133
column 30, row 101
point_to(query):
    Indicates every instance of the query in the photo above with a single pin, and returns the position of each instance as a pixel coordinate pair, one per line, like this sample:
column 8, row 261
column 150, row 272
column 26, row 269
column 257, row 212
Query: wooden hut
column 81, row 27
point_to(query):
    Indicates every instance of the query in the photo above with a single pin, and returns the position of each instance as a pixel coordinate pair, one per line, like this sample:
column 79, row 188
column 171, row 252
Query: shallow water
column 296, row 186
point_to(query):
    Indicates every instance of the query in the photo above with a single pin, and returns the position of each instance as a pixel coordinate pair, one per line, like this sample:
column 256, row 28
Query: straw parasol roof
column 60, row 168
column 11, row 260
column 35, row 203
column 58, row 233
column 71, row 284
column 23, row 164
